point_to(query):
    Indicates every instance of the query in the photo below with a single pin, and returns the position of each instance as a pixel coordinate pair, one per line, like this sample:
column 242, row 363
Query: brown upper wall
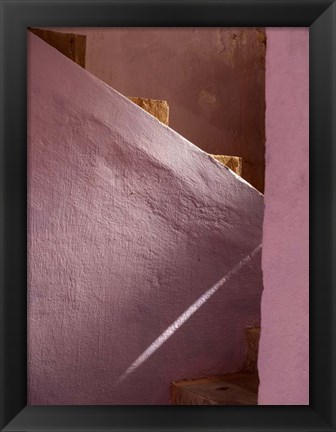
column 212, row 78
column 70, row 44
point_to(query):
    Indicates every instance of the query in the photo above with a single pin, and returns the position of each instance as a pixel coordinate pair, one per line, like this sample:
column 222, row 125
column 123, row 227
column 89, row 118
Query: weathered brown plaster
column 212, row 78
column 71, row 45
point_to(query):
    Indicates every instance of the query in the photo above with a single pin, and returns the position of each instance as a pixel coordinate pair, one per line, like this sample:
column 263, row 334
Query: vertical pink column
column 284, row 345
column 144, row 257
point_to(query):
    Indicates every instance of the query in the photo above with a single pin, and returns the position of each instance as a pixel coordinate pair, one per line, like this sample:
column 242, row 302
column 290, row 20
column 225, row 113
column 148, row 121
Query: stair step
column 238, row 388
column 157, row 108
column 235, row 163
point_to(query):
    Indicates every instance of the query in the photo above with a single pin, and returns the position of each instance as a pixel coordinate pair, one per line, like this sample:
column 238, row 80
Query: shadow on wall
column 115, row 368
column 185, row 316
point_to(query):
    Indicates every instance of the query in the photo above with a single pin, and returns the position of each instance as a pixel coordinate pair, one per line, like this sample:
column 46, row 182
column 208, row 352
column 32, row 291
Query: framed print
column 177, row 215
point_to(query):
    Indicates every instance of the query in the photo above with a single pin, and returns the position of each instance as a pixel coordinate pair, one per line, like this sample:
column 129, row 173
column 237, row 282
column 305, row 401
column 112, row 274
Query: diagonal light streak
column 185, row 316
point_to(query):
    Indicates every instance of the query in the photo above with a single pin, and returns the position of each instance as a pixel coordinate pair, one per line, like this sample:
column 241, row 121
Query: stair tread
column 238, row 388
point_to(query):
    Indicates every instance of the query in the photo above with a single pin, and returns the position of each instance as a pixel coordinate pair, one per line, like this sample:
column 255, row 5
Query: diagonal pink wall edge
column 143, row 259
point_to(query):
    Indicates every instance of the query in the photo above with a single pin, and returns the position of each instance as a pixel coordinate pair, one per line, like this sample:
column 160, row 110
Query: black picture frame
column 16, row 16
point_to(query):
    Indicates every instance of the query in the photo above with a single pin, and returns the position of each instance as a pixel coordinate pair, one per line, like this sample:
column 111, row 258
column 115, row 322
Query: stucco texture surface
column 284, row 344
column 212, row 78
column 144, row 262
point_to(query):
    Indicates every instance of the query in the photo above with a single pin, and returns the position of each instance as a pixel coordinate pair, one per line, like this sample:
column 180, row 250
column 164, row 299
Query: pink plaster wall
column 141, row 267
column 284, row 344
column 212, row 78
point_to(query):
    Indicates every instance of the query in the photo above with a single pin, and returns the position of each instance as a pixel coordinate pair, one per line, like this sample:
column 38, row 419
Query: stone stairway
column 240, row 388
column 160, row 110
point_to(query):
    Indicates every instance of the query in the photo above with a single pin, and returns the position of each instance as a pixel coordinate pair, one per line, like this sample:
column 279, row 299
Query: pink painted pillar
column 284, row 344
